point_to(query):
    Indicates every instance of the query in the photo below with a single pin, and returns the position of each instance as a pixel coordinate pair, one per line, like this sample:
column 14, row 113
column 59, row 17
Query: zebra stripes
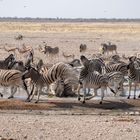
column 12, row 78
column 133, row 75
column 59, row 70
column 95, row 80
column 122, row 67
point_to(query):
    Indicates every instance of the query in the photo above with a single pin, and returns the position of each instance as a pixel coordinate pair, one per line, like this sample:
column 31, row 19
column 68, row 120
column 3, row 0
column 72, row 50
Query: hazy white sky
column 70, row 8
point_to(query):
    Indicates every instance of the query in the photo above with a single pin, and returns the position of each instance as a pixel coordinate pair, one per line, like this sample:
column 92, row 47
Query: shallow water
column 22, row 95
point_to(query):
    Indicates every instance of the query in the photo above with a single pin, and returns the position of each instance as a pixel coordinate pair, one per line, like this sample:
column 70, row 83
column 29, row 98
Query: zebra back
column 122, row 67
column 59, row 70
column 10, row 77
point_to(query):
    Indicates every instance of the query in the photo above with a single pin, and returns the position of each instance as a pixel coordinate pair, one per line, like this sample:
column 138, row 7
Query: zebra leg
column 28, row 99
column 135, row 91
column 38, row 94
column 130, row 84
column 88, row 91
column 78, row 90
column 84, row 96
column 33, row 93
column 102, row 94
column 95, row 94
column 26, row 89
column 13, row 91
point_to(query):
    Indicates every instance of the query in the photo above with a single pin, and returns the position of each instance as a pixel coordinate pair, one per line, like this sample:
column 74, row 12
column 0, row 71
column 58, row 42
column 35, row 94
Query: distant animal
column 106, row 48
column 50, row 50
column 83, row 47
column 19, row 37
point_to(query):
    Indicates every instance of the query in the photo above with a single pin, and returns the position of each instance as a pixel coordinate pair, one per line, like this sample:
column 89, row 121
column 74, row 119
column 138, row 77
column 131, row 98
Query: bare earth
column 58, row 119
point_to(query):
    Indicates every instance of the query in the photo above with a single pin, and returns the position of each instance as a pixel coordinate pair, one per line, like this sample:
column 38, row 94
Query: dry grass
column 69, row 27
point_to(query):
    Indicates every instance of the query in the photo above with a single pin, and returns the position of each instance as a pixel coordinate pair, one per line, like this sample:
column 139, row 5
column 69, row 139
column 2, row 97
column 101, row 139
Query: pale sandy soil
column 71, row 127
column 77, row 122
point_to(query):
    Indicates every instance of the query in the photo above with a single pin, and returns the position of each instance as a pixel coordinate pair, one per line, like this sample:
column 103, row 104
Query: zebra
column 50, row 50
column 59, row 70
column 62, row 87
column 133, row 75
column 12, row 78
column 96, row 80
column 118, row 67
column 108, row 48
column 83, row 47
column 5, row 63
column 65, row 88
column 122, row 67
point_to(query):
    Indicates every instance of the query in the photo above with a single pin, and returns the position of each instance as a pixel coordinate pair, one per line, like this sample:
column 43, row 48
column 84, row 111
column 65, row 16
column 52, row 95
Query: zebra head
column 84, row 61
column 132, row 58
column 10, row 59
column 30, row 73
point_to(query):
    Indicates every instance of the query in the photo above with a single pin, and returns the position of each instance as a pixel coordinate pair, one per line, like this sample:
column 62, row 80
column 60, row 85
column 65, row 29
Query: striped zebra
column 118, row 67
column 12, row 78
column 62, row 88
column 122, row 67
column 57, row 71
column 133, row 75
column 96, row 80
column 108, row 48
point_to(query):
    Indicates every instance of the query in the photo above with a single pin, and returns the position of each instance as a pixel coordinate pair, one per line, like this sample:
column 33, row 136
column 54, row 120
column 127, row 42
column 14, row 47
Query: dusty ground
column 116, row 118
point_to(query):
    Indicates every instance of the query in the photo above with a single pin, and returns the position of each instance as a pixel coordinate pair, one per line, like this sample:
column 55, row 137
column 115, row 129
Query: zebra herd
column 79, row 74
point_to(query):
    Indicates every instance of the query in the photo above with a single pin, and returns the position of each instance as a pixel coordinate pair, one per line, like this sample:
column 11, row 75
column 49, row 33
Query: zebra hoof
column 134, row 98
column 1, row 94
column 10, row 97
column 100, row 102
column 139, row 96
column 28, row 100
column 83, row 102
column 128, row 97
column 79, row 98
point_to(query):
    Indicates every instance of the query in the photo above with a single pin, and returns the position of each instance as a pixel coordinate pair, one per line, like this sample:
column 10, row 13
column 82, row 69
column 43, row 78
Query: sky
column 70, row 8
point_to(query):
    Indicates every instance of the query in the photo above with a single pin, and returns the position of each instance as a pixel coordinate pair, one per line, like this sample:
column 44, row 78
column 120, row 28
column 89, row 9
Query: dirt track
column 69, row 119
